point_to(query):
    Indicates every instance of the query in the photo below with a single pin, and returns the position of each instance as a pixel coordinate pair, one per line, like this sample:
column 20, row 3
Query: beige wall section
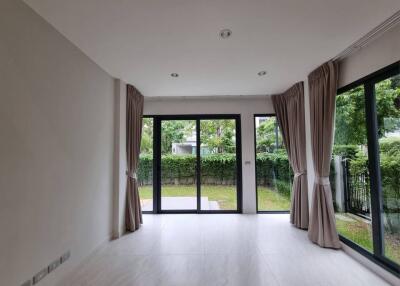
column 382, row 52
column 56, row 148
column 245, row 107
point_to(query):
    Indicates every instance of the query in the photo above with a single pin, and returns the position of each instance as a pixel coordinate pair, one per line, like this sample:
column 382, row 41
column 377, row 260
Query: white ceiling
column 144, row 41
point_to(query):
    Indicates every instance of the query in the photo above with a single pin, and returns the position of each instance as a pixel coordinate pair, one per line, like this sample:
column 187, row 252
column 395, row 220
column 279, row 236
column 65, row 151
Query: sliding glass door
column 178, row 165
column 145, row 170
column 387, row 93
column 192, row 165
column 365, row 170
column 273, row 172
column 218, row 165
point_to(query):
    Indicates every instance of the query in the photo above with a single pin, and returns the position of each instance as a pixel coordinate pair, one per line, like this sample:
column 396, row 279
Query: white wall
column 56, row 148
column 245, row 107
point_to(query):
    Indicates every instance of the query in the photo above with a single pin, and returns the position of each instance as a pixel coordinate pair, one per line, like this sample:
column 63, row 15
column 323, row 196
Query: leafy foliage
column 175, row 131
column 350, row 126
column 350, row 112
column 346, row 151
column 267, row 141
column 146, row 145
column 218, row 135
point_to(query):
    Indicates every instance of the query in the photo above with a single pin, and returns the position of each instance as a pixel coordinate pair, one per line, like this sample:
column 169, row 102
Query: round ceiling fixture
column 225, row 33
column 174, row 74
column 261, row 73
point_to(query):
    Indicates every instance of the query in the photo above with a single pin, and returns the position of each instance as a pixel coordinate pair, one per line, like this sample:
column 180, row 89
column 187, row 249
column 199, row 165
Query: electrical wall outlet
column 65, row 256
column 51, row 267
column 40, row 275
column 54, row 265
column 27, row 283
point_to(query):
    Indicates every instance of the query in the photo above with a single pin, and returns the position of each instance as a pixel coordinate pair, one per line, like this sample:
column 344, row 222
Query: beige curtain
column 323, row 86
column 289, row 110
column 134, row 114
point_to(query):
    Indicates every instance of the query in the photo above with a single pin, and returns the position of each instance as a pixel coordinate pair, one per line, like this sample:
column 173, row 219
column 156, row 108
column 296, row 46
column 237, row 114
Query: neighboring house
column 189, row 147
column 184, row 148
column 260, row 120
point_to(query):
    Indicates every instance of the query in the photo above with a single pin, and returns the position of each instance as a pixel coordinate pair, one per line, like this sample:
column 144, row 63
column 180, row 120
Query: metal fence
column 356, row 191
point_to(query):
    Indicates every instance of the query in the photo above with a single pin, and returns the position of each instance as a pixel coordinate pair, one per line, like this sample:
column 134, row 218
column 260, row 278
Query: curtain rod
column 370, row 36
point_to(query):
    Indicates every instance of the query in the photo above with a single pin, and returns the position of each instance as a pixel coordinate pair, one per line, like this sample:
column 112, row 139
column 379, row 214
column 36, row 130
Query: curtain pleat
column 134, row 118
column 323, row 86
column 289, row 110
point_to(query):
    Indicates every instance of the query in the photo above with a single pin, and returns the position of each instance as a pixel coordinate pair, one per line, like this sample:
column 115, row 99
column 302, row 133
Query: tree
column 350, row 121
column 146, row 145
column 267, row 141
column 387, row 95
column 218, row 135
column 350, row 125
column 175, row 131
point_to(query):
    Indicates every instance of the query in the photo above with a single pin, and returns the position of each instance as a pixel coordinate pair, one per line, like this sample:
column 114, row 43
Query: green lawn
column 224, row 195
column 269, row 200
column 359, row 231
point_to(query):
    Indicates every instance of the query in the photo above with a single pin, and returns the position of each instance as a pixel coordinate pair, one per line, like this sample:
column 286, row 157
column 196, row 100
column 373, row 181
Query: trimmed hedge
column 181, row 169
column 219, row 169
column 273, row 166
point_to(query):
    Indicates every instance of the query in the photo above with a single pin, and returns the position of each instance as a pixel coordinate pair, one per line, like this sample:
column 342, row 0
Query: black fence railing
column 356, row 191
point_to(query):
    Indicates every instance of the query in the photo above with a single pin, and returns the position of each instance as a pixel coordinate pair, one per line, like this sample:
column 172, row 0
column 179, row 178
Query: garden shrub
column 390, row 146
column 273, row 166
column 284, row 188
column 145, row 171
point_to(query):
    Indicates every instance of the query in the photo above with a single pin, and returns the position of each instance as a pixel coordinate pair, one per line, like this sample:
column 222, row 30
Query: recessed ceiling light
column 174, row 74
column 261, row 73
column 225, row 33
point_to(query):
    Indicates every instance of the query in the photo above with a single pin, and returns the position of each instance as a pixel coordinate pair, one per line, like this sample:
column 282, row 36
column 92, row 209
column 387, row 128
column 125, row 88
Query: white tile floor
column 219, row 249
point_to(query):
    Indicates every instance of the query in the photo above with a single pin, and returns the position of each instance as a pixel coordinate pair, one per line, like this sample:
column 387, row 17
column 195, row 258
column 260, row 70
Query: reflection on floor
column 219, row 249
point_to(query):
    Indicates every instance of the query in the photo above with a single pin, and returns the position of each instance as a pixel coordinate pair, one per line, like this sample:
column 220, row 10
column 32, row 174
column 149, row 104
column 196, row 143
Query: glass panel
column 387, row 94
column 274, row 174
column 178, row 165
column 349, row 169
column 218, row 164
column 145, row 171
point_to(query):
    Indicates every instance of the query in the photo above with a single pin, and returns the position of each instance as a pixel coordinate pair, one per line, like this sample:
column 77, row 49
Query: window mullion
column 374, row 168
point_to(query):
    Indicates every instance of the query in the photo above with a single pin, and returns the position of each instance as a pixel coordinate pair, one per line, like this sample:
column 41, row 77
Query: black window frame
column 255, row 166
column 157, row 119
column 368, row 82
